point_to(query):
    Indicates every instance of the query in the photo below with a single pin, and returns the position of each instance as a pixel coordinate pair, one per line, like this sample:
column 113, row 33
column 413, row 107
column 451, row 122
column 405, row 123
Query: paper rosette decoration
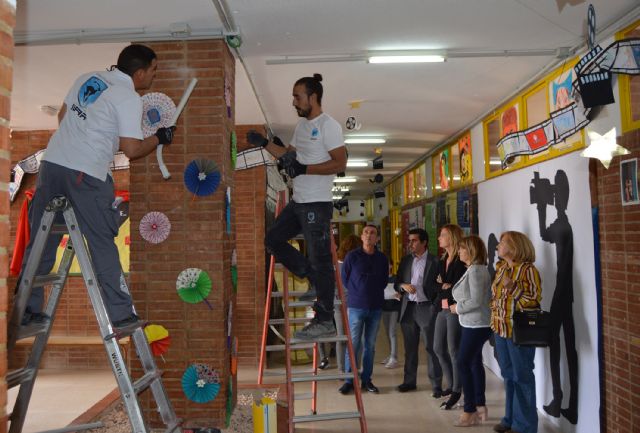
column 157, row 111
column 227, row 207
column 158, row 338
column 202, row 177
column 234, row 149
column 234, row 270
column 200, row 383
column 193, row 286
column 155, row 227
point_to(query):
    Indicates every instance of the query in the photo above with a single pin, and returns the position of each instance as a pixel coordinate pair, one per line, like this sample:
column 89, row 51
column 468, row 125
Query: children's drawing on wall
column 464, row 211
column 509, row 120
column 560, row 90
column 464, row 148
column 629, row 182
column 542, row 194
column 444, row 170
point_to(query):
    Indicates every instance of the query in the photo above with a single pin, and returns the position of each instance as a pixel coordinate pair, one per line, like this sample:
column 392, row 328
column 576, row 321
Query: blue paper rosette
column 200, row 383
column 202, row 177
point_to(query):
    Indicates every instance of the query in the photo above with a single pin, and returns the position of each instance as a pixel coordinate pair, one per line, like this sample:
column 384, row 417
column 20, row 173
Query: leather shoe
column 346, row 388
column 369, row 386
column 437, row 393
column 405, row 387
column 501, row 428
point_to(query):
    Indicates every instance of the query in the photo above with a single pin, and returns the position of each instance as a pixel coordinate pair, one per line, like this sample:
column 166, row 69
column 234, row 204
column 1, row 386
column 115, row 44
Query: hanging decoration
column 157, row 111
column 234, row 149
column 591, row 88
column 228, row 94
column 229, row 324
column 234, row 270
column 229, row 405
column 227, row 208
column 604, row 147
column 193, row 286
column 158, row 338
column 202, row 177
column 200, row 383
column 234, row 356
column 155, row 227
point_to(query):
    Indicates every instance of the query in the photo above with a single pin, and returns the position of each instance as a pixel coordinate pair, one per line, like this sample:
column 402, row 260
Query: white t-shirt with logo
column 101, row 107
column 313, row 139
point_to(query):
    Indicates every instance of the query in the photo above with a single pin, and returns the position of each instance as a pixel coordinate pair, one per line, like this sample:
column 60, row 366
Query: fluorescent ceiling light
column 493, row 161
column 351, row 163
column 365, row 140
column 337, row 197
column 407, row 59
column 345, row 180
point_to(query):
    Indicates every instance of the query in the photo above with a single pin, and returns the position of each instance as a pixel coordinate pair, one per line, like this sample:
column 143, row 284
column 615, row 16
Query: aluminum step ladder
column 310, row 375
column 25, row 377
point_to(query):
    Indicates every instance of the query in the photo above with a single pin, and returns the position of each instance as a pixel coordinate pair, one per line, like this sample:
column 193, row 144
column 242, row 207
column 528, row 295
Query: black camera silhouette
column 541, row 191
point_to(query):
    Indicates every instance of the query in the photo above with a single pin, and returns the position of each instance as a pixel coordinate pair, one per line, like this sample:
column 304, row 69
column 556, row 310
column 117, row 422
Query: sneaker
column 384, row 361
column 34, row 318
column 369, row 386
column 392, row 363
column 345, row 388
column 309, row 295
column 324, row 364
column 317, row 329
column 126, row 322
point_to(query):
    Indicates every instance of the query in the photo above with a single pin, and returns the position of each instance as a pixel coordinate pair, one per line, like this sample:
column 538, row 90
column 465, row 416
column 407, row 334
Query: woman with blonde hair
column 473, row 294
column 516, row 287
column 447, row 328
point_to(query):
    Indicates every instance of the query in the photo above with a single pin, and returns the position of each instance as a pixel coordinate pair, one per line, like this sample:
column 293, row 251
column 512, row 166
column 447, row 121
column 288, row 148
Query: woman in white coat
column 473, row 294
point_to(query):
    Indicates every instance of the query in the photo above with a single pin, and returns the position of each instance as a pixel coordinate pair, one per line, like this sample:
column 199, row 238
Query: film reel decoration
column 591, row 27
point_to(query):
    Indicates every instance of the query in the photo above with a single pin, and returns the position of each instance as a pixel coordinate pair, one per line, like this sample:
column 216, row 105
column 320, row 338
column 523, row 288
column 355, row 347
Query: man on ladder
column 316, row 154
column 101, row 114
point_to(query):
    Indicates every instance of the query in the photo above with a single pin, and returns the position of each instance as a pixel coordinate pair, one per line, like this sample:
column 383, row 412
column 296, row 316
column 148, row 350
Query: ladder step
column 303, row 396
column 310, row 303
column 326, row 417
column 59, row 229
column 282, row 372
column 292, row 293
column 32, row 329
column 292, row 321
column 335, row 339
column 126, row 331
column 173, row 426
column 43, row 280
column 304, row 344
column 17, row 377
column 322, row 377
column 145, row 381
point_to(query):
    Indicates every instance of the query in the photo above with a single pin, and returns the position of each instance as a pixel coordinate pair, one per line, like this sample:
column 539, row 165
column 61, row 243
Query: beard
column 303, row 112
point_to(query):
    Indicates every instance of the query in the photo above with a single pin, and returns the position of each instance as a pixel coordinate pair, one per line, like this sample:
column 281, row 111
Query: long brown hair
column 348, row 244
column 456, row 236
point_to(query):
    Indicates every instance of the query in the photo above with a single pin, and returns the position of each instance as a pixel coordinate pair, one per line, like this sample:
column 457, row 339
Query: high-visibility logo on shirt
column 315, row 133
column 90, row 91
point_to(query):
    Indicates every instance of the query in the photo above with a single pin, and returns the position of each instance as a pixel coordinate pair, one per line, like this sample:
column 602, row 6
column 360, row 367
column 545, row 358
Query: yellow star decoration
column 603, row 147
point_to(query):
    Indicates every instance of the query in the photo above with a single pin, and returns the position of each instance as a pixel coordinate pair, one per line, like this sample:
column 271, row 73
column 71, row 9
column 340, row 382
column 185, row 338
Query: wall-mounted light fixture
column 365, row 140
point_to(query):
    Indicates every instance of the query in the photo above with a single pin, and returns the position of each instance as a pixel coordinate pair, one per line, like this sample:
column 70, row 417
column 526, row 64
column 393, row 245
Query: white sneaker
column 392, row 363
column 384, row 361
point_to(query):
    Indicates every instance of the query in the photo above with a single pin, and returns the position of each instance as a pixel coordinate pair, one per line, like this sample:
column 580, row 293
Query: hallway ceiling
column 416, row 107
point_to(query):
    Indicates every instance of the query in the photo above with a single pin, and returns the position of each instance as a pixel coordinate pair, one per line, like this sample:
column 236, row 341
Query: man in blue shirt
column 365, row 272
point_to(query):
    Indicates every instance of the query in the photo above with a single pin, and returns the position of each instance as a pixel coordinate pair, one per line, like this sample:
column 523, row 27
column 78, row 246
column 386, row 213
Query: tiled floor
column 61, row 396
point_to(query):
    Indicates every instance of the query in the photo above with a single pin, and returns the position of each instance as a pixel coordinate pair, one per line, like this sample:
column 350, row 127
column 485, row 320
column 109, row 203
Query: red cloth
column 22, row 236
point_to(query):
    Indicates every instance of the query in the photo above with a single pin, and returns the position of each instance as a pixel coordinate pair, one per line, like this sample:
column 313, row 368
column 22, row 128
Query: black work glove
column 291, row 166
column 255, row 139
column 276, row 140
column 165, row 135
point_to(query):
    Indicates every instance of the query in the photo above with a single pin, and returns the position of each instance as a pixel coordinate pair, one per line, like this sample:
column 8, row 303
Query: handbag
column 532, row 328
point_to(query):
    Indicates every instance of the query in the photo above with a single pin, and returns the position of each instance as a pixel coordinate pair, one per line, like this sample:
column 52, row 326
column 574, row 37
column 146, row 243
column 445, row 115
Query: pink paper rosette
column 155, row 227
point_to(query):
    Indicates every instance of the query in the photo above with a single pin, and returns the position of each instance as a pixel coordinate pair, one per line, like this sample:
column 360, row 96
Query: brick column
column 251, row 189
column 7, row 23
column 198, row 238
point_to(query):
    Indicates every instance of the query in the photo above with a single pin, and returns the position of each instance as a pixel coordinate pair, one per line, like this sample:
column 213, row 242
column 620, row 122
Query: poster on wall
column 560, row 90
column 550, row 203
column 463, row 208
column 509, row 120
column 629, row 182
column 444, row 170
column 430, row 225
column 464, row 153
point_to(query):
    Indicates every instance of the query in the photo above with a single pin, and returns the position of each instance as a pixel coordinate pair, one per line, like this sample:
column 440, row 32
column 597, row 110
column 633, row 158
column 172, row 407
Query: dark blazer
column 429, row 284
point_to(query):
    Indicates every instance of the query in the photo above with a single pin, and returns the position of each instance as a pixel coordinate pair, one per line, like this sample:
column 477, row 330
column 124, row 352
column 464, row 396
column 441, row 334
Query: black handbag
column 532, row 328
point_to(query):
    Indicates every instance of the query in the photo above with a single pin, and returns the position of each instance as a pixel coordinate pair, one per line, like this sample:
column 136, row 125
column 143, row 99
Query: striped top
column 526, row 294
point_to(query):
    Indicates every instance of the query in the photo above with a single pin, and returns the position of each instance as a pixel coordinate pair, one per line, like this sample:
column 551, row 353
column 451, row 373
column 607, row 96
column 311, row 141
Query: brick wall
column 198, row 237
column 620, row 261
column 74, row 316
column 7, row 22
column 250, row 223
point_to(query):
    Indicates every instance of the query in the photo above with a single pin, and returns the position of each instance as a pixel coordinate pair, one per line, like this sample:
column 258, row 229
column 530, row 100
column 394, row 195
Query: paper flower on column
column 193, row 286
column 603, row 147
column 202, row 177
column 155, row 227
column 200, row 383
column 158, row 338
column 157, row 111
column 234, row 270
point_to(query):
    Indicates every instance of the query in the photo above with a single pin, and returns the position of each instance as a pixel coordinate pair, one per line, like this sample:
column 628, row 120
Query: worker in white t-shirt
column 101, row 114
column 316, row 154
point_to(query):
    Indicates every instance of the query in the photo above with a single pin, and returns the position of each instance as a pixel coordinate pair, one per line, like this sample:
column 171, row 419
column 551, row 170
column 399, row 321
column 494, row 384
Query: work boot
column 317, row 329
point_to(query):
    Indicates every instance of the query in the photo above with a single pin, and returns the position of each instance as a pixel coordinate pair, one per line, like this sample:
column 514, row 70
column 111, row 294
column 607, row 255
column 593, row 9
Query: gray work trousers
column 92, row 201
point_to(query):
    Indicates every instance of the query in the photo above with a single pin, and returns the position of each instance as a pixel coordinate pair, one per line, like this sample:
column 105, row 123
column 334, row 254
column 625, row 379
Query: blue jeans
column 314, row 221
column 471, row 368
column 516, row 365
column 363, row 321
